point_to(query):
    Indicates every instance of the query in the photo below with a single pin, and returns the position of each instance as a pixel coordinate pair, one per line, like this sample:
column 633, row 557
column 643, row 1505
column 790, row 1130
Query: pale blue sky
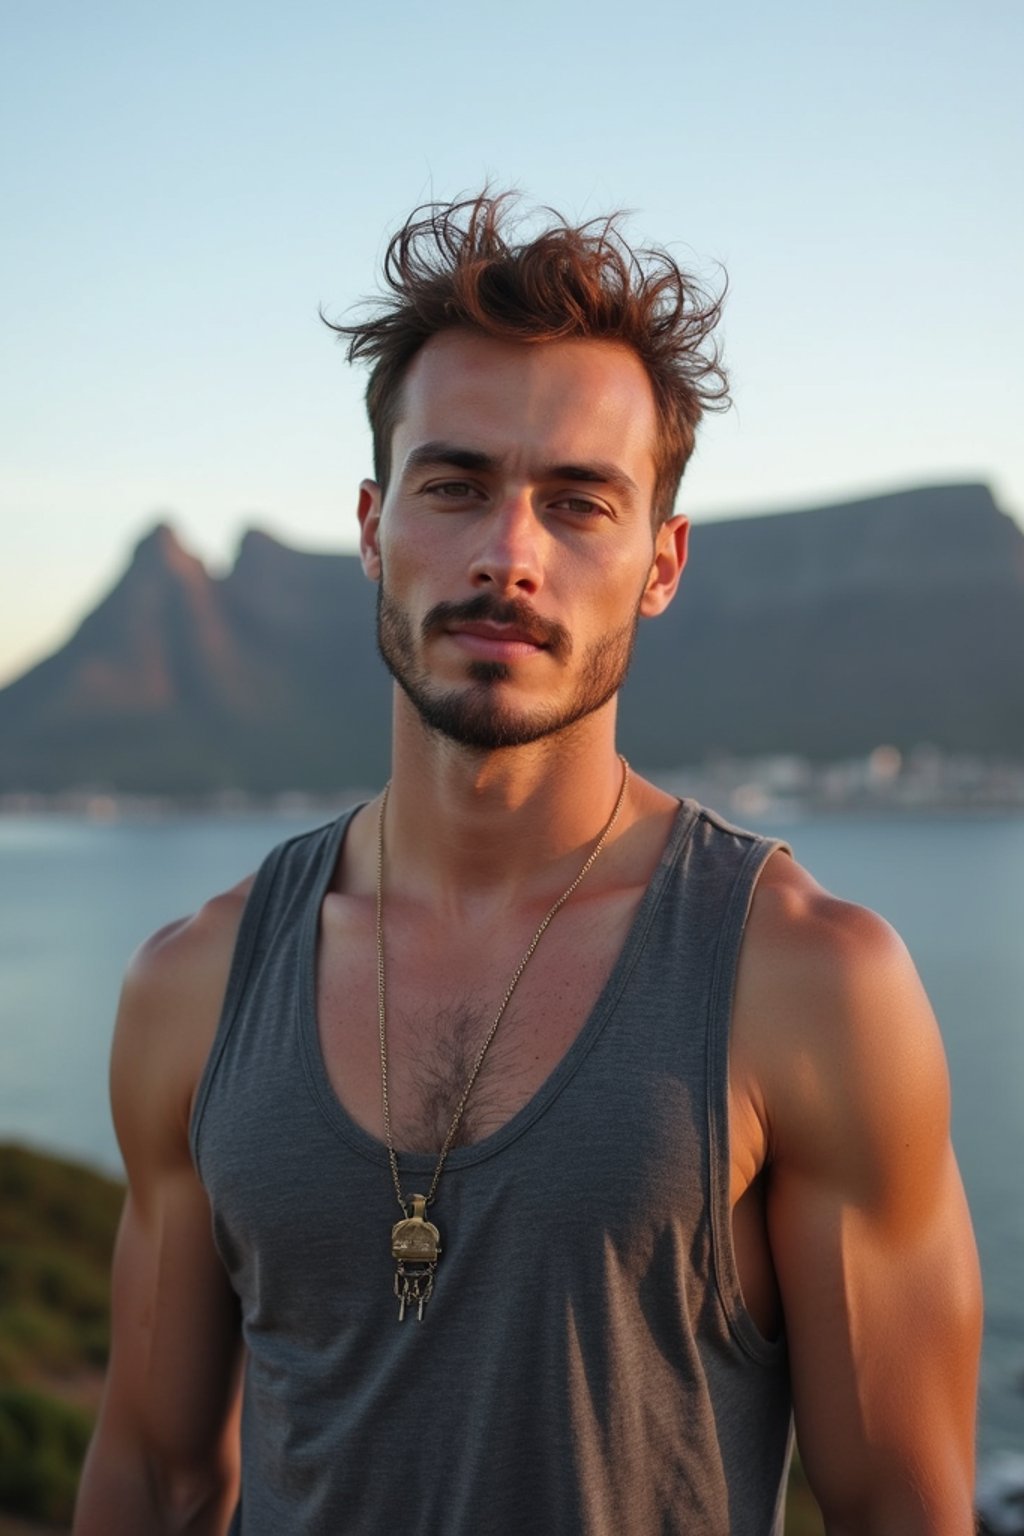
column 183, row 185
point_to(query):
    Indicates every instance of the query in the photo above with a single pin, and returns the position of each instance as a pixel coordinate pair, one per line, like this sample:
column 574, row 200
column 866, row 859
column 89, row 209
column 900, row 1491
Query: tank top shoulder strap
column 277, row 901
column 727, row 863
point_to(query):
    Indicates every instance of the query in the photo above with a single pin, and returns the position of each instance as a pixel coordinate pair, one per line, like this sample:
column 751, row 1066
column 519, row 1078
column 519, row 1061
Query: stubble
column 477, row 715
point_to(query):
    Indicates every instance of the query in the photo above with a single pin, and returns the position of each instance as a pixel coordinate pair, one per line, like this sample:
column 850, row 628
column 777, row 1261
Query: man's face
column 514, row 547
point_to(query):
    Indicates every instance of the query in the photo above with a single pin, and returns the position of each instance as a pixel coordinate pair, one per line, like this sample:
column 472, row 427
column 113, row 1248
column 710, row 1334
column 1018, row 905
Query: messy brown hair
column 456, row 264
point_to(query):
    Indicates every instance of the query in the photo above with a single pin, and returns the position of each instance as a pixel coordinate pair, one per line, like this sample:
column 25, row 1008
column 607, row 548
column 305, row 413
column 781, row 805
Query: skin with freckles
column 515, row 553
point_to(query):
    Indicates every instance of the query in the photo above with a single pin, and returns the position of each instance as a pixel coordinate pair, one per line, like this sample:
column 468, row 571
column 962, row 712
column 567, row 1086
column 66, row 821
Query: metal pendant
column 415, row 1247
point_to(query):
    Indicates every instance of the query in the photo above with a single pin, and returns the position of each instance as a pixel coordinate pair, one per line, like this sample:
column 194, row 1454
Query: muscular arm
column 867, row 1222
column 164, row 1456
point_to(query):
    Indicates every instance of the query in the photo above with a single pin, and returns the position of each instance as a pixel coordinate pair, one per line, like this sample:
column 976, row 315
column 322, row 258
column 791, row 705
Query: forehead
column 563, row 401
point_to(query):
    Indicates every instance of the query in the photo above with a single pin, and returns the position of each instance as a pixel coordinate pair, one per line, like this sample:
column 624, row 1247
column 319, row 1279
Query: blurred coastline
column 773, row 787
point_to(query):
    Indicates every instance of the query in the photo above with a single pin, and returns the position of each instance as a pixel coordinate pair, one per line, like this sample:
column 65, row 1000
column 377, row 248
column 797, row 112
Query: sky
column 184, row 186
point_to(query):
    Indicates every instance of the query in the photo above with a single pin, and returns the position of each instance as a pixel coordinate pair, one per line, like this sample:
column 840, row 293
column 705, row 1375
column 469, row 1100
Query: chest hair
column 436, row 1069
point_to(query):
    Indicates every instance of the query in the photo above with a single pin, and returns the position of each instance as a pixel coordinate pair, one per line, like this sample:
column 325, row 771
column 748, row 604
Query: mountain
column 182, row 683
column 896, row 619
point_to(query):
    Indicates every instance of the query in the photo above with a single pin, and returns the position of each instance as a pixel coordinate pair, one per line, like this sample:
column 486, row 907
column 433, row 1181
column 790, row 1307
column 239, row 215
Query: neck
column 469, row 825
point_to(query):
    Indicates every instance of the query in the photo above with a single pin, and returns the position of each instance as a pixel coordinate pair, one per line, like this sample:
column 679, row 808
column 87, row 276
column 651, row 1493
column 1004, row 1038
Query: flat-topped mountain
column 896, row 619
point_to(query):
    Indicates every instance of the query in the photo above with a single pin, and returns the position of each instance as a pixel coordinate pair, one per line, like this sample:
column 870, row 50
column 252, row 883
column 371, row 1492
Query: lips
column 490, row 626
column 500, row 633
column 496, row 642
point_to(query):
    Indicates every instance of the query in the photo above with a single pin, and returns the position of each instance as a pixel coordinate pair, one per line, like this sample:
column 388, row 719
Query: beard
column 476, row 716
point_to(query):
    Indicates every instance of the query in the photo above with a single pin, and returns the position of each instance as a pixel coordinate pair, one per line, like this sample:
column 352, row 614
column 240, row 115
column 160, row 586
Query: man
column 543, row 1137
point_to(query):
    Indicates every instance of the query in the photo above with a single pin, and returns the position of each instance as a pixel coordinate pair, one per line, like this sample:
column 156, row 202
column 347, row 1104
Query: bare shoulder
column 170, row 1005
column 800, row 935
column 833, row 1025
column 189, row 954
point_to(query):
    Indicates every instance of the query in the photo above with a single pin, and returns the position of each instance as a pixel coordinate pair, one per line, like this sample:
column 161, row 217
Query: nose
column 508, row 558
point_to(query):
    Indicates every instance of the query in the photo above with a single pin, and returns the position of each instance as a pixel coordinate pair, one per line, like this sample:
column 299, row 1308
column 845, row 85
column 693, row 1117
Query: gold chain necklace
column 416, row 1242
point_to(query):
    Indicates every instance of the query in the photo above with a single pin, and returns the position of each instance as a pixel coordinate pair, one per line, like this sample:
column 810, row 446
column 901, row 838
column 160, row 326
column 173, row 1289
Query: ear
column 368, row 512
column 670, row 548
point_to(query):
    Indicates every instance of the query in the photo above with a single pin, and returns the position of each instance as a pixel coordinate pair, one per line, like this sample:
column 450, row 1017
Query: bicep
column 883, row 1335
column 173, row 1372
column 874, row 1253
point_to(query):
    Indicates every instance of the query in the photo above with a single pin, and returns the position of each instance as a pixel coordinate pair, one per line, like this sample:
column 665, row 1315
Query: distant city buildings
column 769, row 788
column 774, row 788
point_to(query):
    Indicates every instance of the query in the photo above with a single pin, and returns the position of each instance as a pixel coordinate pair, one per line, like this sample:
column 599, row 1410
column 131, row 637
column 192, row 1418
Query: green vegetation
column 803, row 1517
column 42, row 1443
column 57, row 1225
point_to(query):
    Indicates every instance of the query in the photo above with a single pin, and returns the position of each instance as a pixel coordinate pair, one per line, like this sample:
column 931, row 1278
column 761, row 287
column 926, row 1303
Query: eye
column 580, row 506
column 452, row 490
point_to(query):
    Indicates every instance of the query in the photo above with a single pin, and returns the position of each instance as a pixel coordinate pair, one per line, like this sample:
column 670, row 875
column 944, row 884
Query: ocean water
column 76, row 898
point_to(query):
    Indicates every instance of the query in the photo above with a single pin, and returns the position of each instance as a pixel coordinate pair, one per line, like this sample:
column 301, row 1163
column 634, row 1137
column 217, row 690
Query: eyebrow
column 449, row 453
column 595, row 472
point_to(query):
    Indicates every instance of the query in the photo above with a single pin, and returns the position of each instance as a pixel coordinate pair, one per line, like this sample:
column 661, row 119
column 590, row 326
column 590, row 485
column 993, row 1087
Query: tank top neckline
column 373, row 1147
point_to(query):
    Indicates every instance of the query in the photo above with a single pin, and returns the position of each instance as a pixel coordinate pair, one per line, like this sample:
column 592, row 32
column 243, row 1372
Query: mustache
column 485, row 608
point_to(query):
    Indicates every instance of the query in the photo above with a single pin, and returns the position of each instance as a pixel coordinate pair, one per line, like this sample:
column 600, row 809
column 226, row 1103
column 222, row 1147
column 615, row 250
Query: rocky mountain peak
column 161, row 550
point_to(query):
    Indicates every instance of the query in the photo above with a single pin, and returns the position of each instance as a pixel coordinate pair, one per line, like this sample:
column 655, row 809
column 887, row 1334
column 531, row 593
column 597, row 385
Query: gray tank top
column 586, row 1366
